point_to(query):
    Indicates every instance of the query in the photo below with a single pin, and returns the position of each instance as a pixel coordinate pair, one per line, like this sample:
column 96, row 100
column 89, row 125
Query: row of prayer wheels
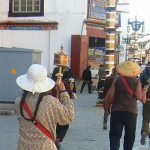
column 110, row 35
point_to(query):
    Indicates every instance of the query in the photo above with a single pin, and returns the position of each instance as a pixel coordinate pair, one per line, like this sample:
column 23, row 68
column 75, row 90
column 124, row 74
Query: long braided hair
column 24, row 95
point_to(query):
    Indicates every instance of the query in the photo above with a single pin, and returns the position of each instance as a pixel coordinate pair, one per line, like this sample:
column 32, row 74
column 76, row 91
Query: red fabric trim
column 129, row 90
column 37, row 123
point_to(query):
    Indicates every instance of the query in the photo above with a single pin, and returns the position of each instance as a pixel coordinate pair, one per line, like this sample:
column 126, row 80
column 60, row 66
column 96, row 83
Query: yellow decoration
column 13, row 71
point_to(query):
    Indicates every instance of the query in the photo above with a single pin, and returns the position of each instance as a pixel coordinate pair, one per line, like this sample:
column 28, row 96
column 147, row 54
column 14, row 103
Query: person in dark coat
column 109, row 80
column 67, row 75
column 145, row 80
column 87, row 78
column 105, row 85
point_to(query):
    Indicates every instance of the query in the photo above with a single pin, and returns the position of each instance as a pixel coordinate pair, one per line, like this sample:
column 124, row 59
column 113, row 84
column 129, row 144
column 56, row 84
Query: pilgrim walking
column 38, row 112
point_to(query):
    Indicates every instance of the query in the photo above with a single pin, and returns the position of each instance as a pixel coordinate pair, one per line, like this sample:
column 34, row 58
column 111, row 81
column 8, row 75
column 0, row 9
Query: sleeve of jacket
column 64, row 109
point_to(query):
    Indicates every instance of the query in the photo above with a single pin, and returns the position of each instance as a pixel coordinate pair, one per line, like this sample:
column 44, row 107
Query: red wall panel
column 79, row 54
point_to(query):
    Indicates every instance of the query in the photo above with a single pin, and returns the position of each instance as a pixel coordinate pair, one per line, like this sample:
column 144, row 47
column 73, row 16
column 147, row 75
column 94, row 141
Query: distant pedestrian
column 108, row 82
column 145, row 80
column 38, row 112
column 67, row 77
column 101, row 72
column 101, row 81
column 104, row 86
column 142, row 67
column 87, row 79
column 121, row 102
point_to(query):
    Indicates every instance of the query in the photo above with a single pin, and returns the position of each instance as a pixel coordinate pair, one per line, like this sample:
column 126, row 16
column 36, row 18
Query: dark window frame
column 25, row 14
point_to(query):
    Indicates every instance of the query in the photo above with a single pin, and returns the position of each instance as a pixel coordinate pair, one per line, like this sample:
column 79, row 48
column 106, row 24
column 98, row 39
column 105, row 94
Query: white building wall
column 69, row 14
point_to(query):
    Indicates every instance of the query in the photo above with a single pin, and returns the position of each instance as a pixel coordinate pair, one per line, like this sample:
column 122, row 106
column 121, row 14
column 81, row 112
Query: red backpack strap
column 129, row 90
column 36, row 122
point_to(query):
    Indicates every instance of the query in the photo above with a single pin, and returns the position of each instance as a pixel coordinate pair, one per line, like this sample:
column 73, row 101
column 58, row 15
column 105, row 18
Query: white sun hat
column 36, row 80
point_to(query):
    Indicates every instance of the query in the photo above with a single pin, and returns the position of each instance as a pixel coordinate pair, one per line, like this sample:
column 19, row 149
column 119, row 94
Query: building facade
column 45, row 25
column 41, row 25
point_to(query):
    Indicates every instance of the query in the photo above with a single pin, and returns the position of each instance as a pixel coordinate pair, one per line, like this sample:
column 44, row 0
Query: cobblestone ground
column 85, row 133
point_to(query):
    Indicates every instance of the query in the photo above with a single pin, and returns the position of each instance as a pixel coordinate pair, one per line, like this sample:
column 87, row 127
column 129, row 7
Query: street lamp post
column 127, row 41
column 136, row 26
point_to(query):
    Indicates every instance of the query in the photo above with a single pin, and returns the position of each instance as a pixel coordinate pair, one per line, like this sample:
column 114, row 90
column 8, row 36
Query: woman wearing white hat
column 121, row 100
column 38, row 112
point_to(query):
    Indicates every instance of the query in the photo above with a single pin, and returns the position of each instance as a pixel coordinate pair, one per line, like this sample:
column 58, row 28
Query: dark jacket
column 144, row 79
column 146, row 107
column 107, row 84
column 86, row 75
column 67, row 74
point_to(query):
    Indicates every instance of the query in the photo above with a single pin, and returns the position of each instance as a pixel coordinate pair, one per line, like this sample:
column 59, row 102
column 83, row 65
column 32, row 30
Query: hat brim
column 128, row 69
column 35, row 86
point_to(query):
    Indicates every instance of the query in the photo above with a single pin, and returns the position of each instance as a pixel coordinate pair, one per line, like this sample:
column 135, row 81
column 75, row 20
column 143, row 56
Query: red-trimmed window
column 25, row 8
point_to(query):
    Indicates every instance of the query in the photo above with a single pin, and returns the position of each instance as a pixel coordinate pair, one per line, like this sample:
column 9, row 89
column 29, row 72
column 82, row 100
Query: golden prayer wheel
column 109, row 58
column 110, row 46
column 111, row 15
column 111, row 23
column 110, row 36
column 109, row 62
column 110, row 19
column 111, row 3
column 61, row 59
column 110, row 42
column 109, row 67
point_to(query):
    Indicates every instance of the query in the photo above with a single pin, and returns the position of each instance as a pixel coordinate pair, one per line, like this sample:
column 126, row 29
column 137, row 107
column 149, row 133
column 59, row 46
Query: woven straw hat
column 36, row 80
column 128, row 69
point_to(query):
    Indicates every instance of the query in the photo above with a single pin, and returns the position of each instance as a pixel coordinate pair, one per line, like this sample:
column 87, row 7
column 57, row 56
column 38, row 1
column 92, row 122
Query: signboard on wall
column 96, row 56
column 97, row 9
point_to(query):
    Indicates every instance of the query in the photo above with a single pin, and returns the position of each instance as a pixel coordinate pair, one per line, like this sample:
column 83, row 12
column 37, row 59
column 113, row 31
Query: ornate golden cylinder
column 111, row 15
column 110, row 3
column 110, row 46
column 109, row 62
column 109, row 58
column 109, row 67
column 111, row 23
column 110, row 36
column 61, row 60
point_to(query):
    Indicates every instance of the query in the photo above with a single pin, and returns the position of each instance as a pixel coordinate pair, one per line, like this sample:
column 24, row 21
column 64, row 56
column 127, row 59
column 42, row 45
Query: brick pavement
column 85, row 133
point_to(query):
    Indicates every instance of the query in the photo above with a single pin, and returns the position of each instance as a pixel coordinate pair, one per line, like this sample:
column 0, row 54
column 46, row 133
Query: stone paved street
column 85, row 133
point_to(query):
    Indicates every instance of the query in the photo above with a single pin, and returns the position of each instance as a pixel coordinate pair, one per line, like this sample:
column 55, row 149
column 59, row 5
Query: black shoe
column 143, row 138
column 105, row 125
column 57, row 144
